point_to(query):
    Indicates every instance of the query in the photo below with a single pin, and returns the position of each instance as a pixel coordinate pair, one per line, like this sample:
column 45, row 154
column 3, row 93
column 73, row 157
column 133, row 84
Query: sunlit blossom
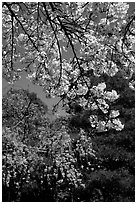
column 22, row 37
column 115, row 124
column 111, row 95
column 93, row 120
column 118, row 125
column 82, row 90
column 114, row 113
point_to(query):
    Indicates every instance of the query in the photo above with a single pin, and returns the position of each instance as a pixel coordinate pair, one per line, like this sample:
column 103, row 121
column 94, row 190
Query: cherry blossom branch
column 13, row 14
column 71, row 44
column 58, row 44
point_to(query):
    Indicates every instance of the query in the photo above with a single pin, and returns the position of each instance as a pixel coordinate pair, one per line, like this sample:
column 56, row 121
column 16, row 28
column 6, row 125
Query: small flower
column 82, row 90
column 118, row 125
column 111, row 96
column 101, row 86
column 114, row 113
column 93, row 120
column 21, row 37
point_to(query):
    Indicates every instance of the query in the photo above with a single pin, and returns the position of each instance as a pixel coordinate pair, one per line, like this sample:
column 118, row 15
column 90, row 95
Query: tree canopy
column 83, row 53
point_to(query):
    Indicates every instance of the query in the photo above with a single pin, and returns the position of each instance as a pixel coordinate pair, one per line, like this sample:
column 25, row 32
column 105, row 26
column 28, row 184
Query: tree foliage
column 84, row 53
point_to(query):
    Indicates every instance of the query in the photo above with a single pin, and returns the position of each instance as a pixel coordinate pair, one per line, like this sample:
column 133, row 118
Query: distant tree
column 25, row 113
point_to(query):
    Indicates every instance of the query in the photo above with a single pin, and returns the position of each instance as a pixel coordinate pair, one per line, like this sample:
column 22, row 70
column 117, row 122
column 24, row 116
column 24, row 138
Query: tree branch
column 71, row 44
column 13, row 14
column 59, row 48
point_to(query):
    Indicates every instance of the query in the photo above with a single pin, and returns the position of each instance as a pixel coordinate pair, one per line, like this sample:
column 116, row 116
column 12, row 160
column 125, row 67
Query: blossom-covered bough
column 82, row 52
column 100, row 37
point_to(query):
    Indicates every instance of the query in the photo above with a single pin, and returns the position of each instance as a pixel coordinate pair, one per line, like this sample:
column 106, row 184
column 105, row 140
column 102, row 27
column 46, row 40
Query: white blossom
column 111, row 95
column 22, row 36
column 115, row 124
column 93, row 120
column 101, row 86
column 114, row 113
column 103, row 105
column 118, row 9
column 118, row 125
column 93, row 106
column 112, row 68
column 82, row 90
